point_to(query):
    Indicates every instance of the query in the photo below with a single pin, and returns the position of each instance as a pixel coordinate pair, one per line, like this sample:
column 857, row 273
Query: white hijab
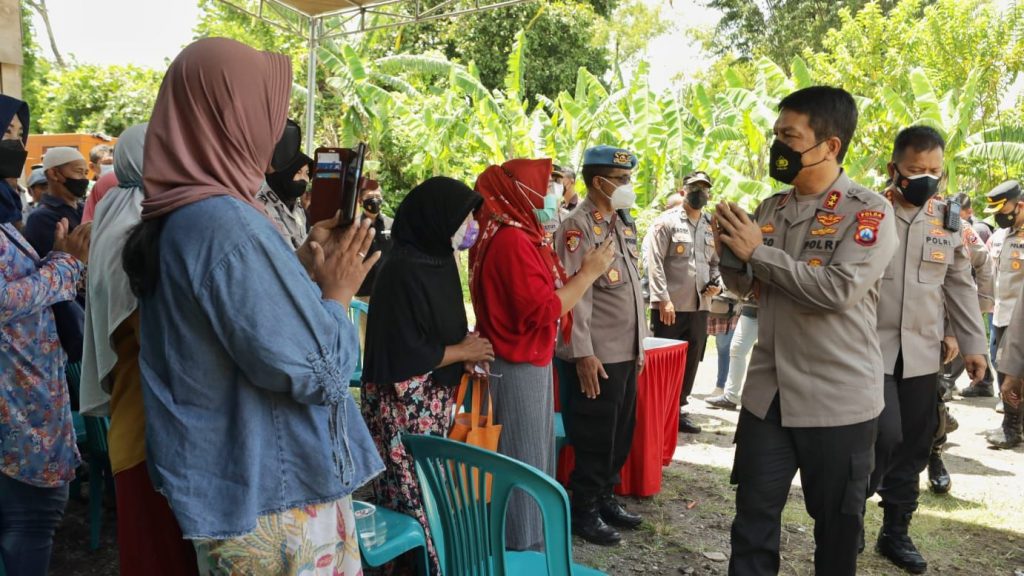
column 109, row 299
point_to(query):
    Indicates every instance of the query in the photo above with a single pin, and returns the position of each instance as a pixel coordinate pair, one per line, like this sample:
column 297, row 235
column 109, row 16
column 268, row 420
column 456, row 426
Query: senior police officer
column 606, row 345
column 1007, row 248
column 683, row 268
column 813, row 256
column 929, row 274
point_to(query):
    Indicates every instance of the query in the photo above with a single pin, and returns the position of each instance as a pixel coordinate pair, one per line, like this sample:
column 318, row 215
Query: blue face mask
column 549, row 212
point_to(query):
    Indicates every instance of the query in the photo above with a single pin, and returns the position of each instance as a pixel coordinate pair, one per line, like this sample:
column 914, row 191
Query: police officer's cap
column 698, row 176
column 38, row 177
column 609, row 157
column 1000, row 195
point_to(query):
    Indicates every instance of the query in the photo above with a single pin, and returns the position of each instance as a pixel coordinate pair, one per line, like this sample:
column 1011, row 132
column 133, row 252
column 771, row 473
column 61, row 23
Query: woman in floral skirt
column 417, row 340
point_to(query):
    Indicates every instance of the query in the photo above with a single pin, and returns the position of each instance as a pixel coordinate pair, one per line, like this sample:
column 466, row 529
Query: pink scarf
column 220, row 111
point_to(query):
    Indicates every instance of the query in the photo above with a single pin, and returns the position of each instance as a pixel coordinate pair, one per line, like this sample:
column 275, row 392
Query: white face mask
column 623, row 197
column 106, row 169
column 555, row 189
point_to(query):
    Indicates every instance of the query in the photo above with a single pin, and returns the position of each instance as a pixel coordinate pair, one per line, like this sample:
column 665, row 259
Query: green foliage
column 34, row 69
column 780, row 29
column 563, row 35
column 90, row 98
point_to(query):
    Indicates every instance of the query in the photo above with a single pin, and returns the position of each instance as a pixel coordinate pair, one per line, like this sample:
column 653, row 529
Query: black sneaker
column 720, row 402
column 687, row 426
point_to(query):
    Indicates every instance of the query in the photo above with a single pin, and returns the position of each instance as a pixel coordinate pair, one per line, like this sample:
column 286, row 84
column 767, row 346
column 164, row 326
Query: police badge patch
column 867, row 227
column 572, row 240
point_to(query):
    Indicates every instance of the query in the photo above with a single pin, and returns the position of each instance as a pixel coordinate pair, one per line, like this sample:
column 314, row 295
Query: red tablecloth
column 657, row 422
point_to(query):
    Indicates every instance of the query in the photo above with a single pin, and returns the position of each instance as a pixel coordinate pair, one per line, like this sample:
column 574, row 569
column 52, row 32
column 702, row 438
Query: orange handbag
column 472, row 427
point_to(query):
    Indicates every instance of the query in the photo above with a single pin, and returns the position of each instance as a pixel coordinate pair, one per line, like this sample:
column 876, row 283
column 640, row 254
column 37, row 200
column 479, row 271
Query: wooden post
column 10, row 48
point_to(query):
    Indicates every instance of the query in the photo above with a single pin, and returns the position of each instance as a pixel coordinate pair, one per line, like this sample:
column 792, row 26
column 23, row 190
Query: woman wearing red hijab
column 520, row 291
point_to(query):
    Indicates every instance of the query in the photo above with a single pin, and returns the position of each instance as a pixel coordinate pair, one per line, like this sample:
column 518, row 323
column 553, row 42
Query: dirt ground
column 978, row 530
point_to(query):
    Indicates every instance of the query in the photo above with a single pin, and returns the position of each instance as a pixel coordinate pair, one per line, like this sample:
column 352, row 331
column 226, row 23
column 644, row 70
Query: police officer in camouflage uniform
column 1007, row 248
column 605, row 351
column 927, row 282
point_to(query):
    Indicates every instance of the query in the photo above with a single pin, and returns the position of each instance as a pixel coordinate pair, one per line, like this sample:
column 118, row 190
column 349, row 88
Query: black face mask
column 372, row 205
column 77, row 186
column 697, row 199
column 917, row 189
column 12, row 158
column 784, row 163
column 1007, row 220
column 285, row 187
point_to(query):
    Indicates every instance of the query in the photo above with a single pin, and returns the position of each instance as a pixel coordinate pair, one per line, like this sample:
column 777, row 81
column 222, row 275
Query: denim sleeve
column 275, row 324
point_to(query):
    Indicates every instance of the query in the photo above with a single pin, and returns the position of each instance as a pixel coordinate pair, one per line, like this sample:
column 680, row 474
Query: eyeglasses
column 624, row 179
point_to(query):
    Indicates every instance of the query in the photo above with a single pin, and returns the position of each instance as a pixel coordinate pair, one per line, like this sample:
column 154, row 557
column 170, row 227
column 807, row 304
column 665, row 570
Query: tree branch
column 40, row 7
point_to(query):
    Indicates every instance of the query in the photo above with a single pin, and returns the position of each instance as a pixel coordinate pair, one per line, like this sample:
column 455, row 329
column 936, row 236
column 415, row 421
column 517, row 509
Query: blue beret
column 609, row 156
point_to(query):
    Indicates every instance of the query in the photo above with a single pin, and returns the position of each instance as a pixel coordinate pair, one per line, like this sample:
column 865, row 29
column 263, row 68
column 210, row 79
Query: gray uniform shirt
column 929, row 274
column 682, row 260
column 1007, row 249
column 981, row 264
column 816, row 278
column 290, row 222
column 1010, row 357
column 608, row 322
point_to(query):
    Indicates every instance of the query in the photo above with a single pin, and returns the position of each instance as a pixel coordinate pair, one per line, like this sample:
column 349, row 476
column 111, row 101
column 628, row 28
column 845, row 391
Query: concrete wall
column 10, row 48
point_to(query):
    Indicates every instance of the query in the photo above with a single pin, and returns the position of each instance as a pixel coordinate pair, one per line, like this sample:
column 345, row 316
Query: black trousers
column 834, row 465
column 693, row 328
column 906, row 432
column 601, row 430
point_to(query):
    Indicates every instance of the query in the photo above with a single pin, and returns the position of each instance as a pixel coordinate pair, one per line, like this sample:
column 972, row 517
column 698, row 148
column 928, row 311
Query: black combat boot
column 587, row 523
column 1009, row 435
column 613, row 513
column 939, row 481
column 894, row 541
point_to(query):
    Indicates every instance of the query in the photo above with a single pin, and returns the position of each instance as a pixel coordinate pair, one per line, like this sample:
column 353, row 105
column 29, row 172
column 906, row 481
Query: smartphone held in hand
column 336, row 183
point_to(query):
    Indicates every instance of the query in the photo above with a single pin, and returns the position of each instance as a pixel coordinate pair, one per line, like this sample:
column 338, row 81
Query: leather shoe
column 978, row 391
column 613, row 513
column 587, row 524
column 687, row 426
column 939, row 481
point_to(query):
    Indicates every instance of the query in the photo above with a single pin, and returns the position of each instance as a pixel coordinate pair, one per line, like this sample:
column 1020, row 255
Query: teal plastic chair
column 96, row 430
column 560, row 438
column 386, row 535
column 566, row 373
column 356, row 311
column 469, row 532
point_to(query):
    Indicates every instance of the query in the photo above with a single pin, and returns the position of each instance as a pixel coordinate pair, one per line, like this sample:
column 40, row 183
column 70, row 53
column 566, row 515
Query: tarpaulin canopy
column 320, row 20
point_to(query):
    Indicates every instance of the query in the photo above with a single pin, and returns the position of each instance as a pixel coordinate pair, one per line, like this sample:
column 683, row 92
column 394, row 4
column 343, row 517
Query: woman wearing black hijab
column 417, row 341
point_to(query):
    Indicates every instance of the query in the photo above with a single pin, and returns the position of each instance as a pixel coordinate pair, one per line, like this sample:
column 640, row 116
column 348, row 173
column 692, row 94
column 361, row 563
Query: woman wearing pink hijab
column 251, row 433
column 103, row 185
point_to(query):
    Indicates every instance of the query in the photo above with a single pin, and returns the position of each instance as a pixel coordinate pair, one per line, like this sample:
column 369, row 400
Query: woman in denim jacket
column 250, row 430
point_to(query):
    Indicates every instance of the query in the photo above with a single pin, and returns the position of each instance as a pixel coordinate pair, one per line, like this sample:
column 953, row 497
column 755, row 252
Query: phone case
column 336, row 183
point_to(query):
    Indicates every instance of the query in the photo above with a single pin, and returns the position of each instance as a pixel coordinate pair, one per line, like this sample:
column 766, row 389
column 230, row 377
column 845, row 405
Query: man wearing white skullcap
column 67, row 177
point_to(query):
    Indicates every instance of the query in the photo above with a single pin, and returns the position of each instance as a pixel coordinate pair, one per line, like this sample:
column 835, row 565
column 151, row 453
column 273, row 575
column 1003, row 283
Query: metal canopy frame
column 339, row 18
